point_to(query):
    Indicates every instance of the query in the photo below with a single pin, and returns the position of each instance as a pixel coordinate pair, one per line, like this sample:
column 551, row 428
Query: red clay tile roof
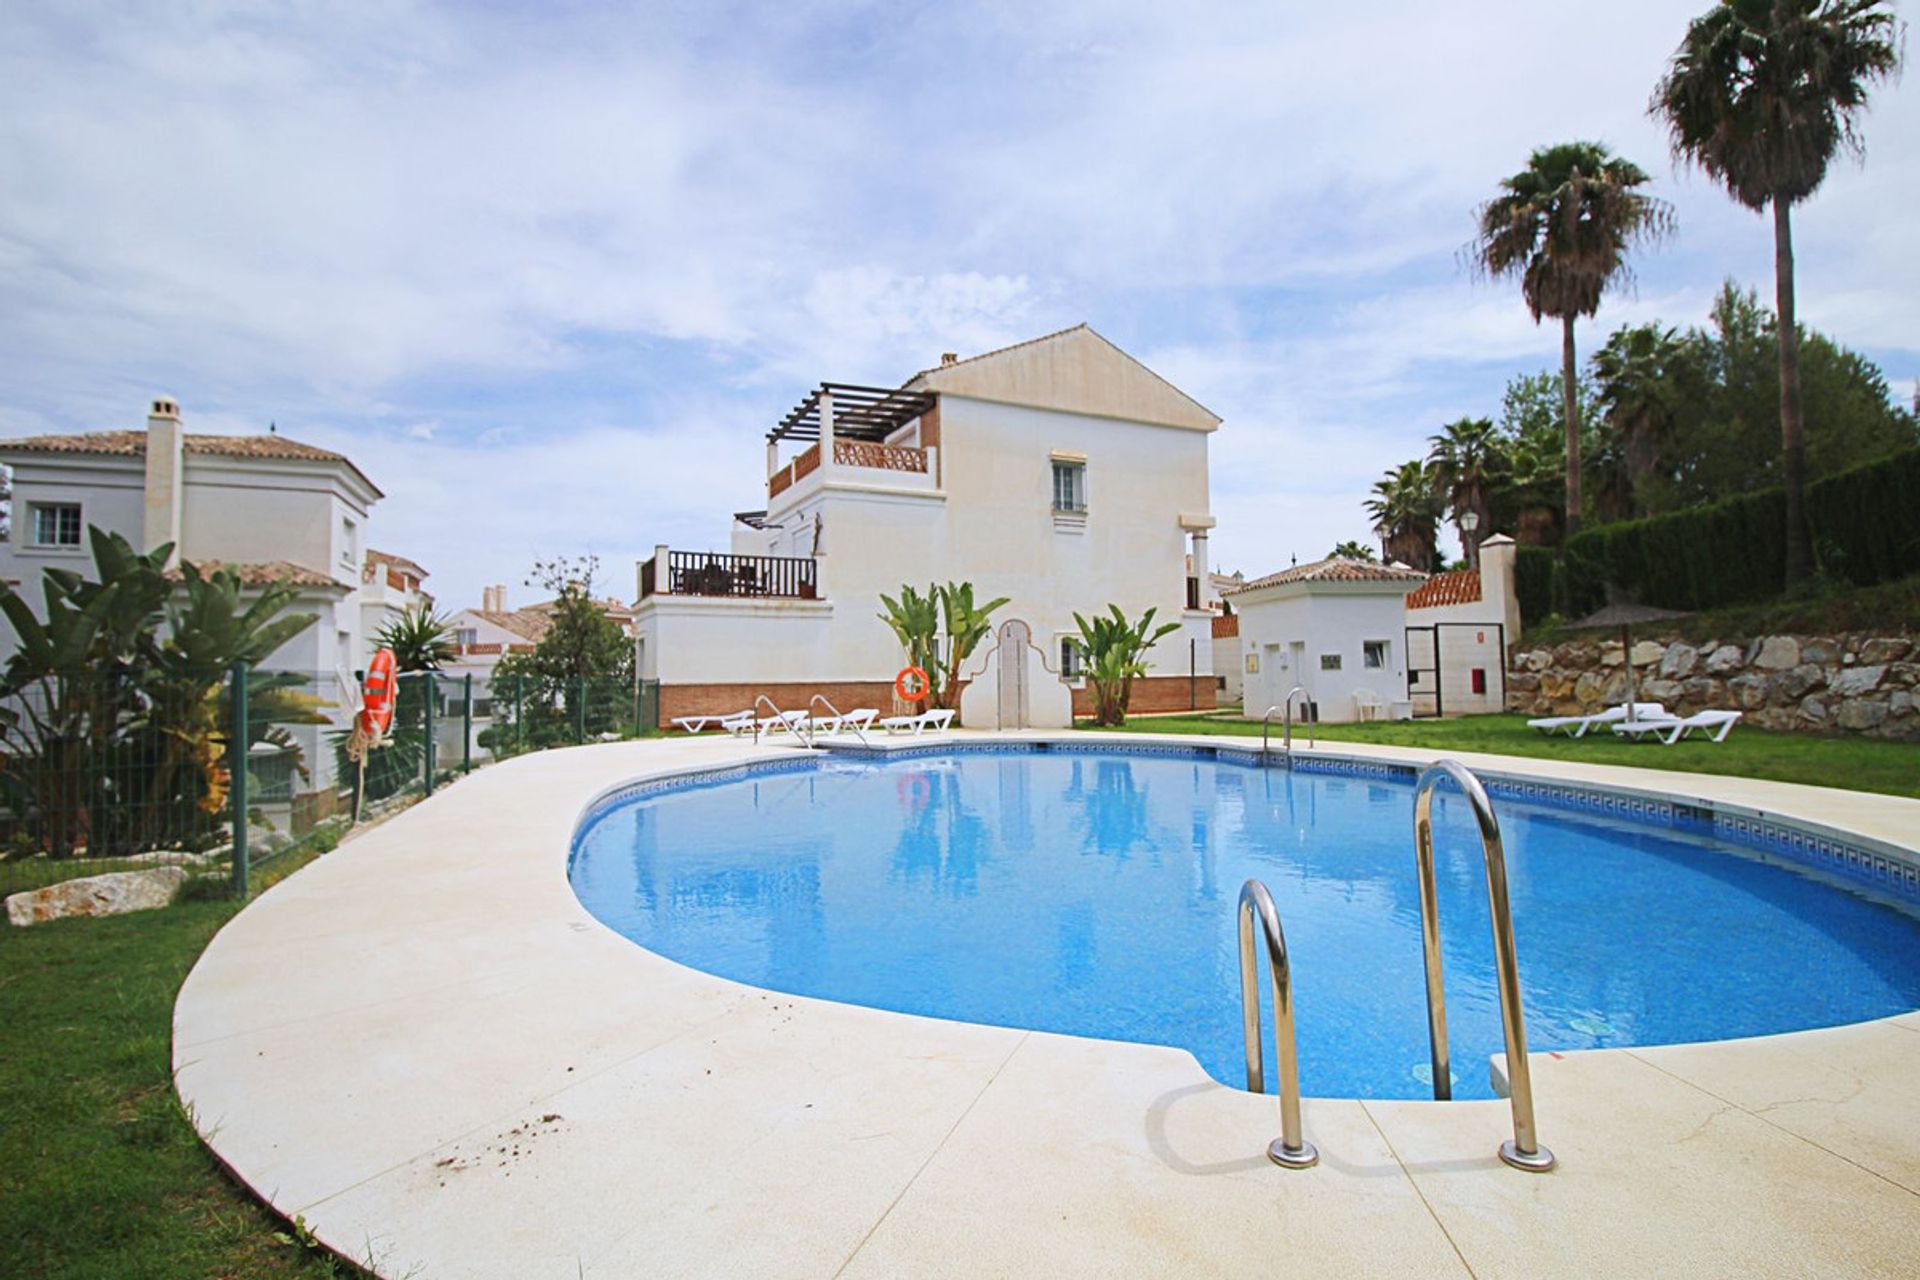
column 260, row 573
column 1462, row 586
column 133, row 444
column 398, row 562
column 1335, row 569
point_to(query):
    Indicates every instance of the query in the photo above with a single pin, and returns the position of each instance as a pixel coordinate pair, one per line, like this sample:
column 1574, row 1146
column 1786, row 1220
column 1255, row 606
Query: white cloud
column 549, row 274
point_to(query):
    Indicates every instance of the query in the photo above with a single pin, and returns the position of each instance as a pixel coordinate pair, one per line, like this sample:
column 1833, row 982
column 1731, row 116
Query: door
column 1298, row 675
column 1010, row 662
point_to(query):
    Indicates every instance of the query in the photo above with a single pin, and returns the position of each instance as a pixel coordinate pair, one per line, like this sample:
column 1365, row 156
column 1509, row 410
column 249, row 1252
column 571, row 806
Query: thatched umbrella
column 1626, row 617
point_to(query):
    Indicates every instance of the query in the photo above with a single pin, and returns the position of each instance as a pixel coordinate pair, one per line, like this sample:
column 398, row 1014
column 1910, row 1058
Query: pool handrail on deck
column 1523, row 1150
column 1290, row 1150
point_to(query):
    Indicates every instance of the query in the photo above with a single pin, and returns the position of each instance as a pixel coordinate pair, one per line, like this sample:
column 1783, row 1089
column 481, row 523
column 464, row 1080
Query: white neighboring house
column 1335, row 628
column 1059, row 472
column 1229, row 670
column 1461, row 631
column 271, row 508
column 482, row 637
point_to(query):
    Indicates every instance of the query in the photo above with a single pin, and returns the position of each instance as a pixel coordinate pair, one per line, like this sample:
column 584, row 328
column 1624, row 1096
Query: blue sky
column 549, row 272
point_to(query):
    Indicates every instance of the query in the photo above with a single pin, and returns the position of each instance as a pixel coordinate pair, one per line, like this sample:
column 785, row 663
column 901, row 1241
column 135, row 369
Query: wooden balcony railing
column 712, row 573
column 849, row 453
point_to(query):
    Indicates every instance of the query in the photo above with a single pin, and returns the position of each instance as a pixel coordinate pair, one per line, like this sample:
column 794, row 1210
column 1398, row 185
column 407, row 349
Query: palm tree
column 1406, row 515
column 1761, row 94
column 1468, row 460
column 1563, row 225
column 1637, row 402
column 1351, row 550
column 418, row 639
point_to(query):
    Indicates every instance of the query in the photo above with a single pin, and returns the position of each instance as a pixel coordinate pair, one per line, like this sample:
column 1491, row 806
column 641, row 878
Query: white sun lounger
column 856, row 722
column 1715, row 724
column 1577, row 726
column 696, row 724
column 925, row 722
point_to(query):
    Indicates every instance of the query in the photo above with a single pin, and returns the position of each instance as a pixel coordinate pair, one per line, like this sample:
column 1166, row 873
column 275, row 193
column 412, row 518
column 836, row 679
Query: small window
column 346, row 542
column 465, row 637
column 56, row 524
column 1069, row 487
column 1329, row 662
column 1375, row 655
column 1072, row 661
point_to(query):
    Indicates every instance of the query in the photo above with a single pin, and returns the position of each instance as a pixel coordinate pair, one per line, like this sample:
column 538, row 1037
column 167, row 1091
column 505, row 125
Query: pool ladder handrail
column 1290, row 1150
column 1523, row 1150
column 840, row 721
column 1286, row 710
column 778, row 714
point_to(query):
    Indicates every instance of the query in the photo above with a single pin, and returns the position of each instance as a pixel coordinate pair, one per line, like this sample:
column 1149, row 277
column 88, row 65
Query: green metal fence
column 257, row 765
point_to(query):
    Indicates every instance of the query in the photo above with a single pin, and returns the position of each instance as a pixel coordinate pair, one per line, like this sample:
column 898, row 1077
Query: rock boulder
column 111, row 894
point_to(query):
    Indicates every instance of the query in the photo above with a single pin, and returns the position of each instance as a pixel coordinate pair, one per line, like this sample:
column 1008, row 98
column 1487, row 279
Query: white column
column 826, row 430
column 1202, row 569
column 773, row 458
column 662, row 577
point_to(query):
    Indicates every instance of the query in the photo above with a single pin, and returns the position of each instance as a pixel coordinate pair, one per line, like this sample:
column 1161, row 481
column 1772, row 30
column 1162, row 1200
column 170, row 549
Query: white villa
column 1060, row 472
column 271, row 508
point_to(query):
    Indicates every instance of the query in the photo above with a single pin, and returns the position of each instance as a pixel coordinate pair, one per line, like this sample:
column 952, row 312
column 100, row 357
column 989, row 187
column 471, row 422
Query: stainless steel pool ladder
column 778, row 714
column 1523, row 1150
column 1285, row 709
column 839, row 719
column 1290, row 1150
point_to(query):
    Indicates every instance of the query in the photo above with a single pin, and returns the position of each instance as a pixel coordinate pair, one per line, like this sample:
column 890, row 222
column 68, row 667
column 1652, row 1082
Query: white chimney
column 165, row 477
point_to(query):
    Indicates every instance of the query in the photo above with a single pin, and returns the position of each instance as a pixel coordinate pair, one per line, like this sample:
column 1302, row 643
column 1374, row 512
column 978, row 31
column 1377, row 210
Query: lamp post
column 1470, row 521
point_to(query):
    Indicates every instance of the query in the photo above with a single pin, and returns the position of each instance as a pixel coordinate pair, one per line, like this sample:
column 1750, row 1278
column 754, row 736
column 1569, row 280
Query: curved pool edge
column 385, row 1040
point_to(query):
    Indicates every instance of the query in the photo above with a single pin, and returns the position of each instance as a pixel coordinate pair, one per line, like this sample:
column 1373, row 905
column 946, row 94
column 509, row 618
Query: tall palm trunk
column 1793, row 426
column 1570, row 395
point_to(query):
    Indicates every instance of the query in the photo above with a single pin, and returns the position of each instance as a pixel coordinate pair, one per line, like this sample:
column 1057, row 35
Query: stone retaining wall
column 1827, row 684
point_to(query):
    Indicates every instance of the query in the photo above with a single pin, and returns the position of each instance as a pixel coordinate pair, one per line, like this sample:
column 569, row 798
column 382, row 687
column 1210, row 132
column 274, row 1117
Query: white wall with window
column 1332, row 639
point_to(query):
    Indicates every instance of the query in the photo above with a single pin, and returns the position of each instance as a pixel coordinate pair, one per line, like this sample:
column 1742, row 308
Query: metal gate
column 1430, row 669
column 1010, row 661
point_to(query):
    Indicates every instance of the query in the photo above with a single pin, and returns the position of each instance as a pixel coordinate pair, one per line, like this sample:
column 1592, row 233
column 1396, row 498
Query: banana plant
column 966, row 627
column 915, row 620
column 1115, row 652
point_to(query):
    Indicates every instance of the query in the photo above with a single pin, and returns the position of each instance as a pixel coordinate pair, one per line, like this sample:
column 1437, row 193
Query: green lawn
column 100, row 1173
column 1861, row 764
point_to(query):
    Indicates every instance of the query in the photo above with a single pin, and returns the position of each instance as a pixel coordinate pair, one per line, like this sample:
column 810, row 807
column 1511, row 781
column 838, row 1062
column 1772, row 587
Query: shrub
column 1865, row 520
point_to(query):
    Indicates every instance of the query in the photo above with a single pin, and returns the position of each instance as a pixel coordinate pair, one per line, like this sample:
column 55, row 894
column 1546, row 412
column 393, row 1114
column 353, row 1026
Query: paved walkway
column 425, row 1047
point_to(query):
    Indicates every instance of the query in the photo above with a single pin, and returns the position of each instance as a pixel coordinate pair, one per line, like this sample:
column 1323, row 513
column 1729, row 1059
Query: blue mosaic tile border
column 1883, row 872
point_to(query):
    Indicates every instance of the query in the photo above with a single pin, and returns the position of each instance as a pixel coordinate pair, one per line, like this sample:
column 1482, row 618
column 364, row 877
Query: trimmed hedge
column 1533, row 571
column 1865, row 523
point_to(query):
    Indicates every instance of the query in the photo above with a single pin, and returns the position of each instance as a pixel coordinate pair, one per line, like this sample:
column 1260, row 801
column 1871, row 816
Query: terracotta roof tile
column 260, row 573
column 1462, row 586
column 398, row 562
column 133, row 444
column 1335, row 569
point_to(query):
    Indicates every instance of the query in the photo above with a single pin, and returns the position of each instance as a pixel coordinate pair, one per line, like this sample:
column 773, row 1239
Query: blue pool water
column 1094, row 893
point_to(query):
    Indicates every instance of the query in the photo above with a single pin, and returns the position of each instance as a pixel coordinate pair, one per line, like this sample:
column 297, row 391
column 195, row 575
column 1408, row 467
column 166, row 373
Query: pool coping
column 339, row 1047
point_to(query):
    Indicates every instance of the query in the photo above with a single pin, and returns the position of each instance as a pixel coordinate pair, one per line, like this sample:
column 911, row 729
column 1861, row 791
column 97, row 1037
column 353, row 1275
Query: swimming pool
column 1091, row 891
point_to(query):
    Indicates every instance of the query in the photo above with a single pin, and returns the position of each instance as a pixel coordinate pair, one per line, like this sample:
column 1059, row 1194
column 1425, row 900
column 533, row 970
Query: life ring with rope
column 924, row 686
column 377, row 694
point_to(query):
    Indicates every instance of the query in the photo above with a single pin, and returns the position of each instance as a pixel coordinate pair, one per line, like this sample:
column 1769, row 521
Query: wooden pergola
column 859, row 413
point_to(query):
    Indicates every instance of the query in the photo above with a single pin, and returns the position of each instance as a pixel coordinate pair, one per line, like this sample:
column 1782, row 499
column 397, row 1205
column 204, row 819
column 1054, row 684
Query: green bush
column 1865, row 523
column 1533, row 571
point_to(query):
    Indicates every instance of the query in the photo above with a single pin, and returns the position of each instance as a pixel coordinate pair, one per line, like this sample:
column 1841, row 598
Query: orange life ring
column 376, row 707
column 900, row 685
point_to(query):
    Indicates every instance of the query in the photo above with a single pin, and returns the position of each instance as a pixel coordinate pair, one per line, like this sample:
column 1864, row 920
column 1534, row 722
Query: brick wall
column 1159, row 693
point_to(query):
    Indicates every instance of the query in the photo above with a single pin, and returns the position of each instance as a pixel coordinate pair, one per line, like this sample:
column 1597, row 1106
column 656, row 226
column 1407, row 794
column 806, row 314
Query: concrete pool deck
column 424, row 1047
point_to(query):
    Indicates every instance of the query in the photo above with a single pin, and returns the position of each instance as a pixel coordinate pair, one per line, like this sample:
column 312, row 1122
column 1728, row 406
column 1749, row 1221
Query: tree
column 1563, row 226
column 418, row 639
column 1761, row 94
column 1406, row 515
column 578, row 680
column 1639, row 403
column 916, row 621
column 1466, row 462
column 1351, row 550
column 1115, row 652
